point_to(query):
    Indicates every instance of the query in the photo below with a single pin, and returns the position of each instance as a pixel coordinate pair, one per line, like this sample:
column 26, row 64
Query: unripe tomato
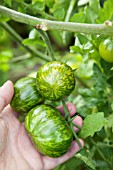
column 26, row 95
column 48, row 130
column 55, row 80
column 106, row 50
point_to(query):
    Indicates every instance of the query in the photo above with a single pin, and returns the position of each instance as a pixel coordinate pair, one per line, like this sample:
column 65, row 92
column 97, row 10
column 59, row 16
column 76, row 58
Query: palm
column 17, row 149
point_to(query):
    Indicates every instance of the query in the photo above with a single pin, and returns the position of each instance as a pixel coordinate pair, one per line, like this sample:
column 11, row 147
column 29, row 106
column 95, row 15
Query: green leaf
column 76, row 49
column 9, row 2
column 106, row 67
column 90, row 15
column 21, row 9
column 83, row 155
column 38, row 4
column 82, row 38
column 85, row 70
column 106, row 13
column 28, row 41
column 92, row 123
column 50, row 3
column 78, row 17
column 109, row 121
column 33, row 42
column 99, row 78
column 34, row 34
column 94, row 5
column 4, row 18
column 1, row 32
column 59, row 13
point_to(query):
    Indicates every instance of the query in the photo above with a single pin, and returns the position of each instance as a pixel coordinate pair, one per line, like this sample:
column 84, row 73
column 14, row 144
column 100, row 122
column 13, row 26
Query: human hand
column 16, row 149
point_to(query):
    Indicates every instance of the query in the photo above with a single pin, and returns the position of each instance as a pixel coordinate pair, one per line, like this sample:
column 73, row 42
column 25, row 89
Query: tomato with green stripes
column 26, row 95
column 48, row 130
column 55, row 80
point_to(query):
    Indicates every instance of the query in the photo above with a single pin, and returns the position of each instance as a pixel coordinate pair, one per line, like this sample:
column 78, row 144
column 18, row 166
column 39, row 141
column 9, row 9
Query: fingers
column 71, row 107
column 50, row 163
column 6, row 94
column 78, row 121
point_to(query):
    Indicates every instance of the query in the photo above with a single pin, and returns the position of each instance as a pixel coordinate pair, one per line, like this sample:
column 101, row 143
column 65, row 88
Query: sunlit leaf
column 3, row 18
column 50, row 3
column 59, row 13
column 78, row 17
column 92, row 123
column 9, row 2
column 106, row 13
column 38, row 4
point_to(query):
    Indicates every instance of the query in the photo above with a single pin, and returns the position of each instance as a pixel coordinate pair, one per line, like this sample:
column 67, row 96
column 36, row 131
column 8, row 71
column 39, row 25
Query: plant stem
column 76, row 137
column 76, row 125
column 67, row 115
column 105, row 145
column 68, row 15
column 71, row 119
column 16, row 36
column 100, row 29
column 70, row 9
column 47, row 42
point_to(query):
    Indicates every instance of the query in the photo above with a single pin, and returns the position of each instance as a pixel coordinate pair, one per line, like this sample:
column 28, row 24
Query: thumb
column 6, row 94
column 3, row 135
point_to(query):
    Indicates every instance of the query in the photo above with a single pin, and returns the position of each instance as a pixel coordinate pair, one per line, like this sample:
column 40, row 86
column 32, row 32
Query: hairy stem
column 67, row 115
column 100, row 29
column 77, row 126
column 47, row 42
column 76, row 137
column 68, row 15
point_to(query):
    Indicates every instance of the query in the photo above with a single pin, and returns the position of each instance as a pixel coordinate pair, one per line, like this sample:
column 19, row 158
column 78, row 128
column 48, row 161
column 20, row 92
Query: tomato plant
column 77, row 33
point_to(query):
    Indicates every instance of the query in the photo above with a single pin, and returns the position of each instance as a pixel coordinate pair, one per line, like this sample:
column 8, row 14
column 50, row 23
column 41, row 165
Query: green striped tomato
column 48, row 130
column 26, row 95
column 55, row 80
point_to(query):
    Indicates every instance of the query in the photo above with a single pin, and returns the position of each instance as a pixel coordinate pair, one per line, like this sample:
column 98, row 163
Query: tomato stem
column 76, row 125
column 76, row 137
column 67, row 17
column 86, row 28
column 71, row 119
column 67, row 116
column 47, row 42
